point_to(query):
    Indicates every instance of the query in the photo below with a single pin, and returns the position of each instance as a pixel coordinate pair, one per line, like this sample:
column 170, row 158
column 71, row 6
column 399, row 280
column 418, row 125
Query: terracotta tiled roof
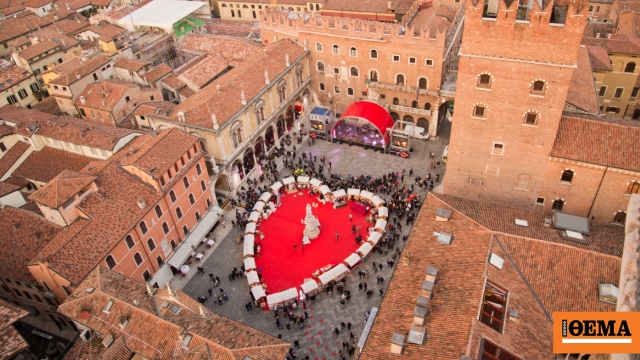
column 69, row 74
column 436, row 18
column 48, row 163
column 153, row 335
column 618, row 43
column 14, row 27
column 369, row 6
column 599, row 58
column 120, row 12
column 72, row 25
column 6, row 130
column 19, row 182
column 203, row 72
column 224, row 103
column 23, row 235
column 38, row 49
column 48, row 105
column 62, row 188
column 582, row 91
column 598, row 140
column 157, row 73
column 6, row 188
column 65, row 128
column 36, row 3
column 12, row 155
column 158, row 153
column 50, row 33
column 13, row 76
column 607, row 240
column 12, row 342
column 107, row 30
column 230, row 48
column 130, row 64
column 104, row 95
column 174, row 82
column 536, row 277
column 86, row 350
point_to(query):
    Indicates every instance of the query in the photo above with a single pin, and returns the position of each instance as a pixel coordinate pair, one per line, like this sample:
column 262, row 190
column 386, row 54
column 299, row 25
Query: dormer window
column 494, row 304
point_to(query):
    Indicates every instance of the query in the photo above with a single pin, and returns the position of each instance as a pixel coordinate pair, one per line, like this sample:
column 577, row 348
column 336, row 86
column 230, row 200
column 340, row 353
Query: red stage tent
column 373, row 113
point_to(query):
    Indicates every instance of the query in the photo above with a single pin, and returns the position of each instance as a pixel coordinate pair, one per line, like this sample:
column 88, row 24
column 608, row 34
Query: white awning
column 254, row 216
column 259, row 206
column 258, row 292
column 265, row 196
column 252, row 277
column 383, row 211
column 353, row 192
column 352, row 260
column 275, row 187
column 324, row 189
column 303, row 179
column 288, row 180
column 326, row 277
column 374, row 237
column 364, row 249
column 381, row 224
column 289, row 294
column 249, row 263
column 248, row 246
column 339, row 269
column 315, row 182
column 377, row 201
column 274, row 299
column 193, row 239
column 250, row 229
column 339, row 193
column 309, row 286
column 162, row 276
column 366, row 194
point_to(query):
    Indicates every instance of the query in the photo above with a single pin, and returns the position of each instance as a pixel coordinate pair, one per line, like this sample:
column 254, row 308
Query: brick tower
column 516, row 64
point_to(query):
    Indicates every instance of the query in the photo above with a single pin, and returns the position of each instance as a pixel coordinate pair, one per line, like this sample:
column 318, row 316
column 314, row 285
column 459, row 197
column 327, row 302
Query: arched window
column 130, row 242
column 354, row 71
column 620, row 217
column 185, row 182
column 236, row 134
column 151, row 244
column 165, row 228
column 335, row 49
column 172, row 195
column 203, row 185
column 192, row 200
column 198, row 169
column 422, row 83
column 427, row 106
column 158, row 211
column 143, row 227
column 399, row 79
column 538, row 87
column 137, row 258
column 336, row 89
column 373, row 76
column 224, row 5
column 321, row 86
column 634, row 188
column 414, row 104
column 630, row 67
column 374, row 54
column 350, row 91
column 282, row 91
column 259, row 111
column 111, row 262
column 558, row 204
column 179, row 213
column 484, row 81
column 567, row 176
column 353, row 51
column 320, row 66
column 396, row 101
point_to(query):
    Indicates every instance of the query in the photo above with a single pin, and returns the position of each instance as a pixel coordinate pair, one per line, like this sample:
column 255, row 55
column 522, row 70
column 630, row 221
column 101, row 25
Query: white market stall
column 381, row 225
column 364, row 250
column 265, row 197
column 252, row 278
column 340, row 271
column 339, row 198
column 377, row 201
column 289, row 184
column 254, row 217
column 250, row 229
column 316, row 184
column 248, row 245
column 275, row 188
column 367, row 195
column 354, row 194
column 303, row 182
column 289, row 294
column 326, row 277
column 309, row 287
column 259, row 206
column 249, row 264
column 259, row 294
column 275, row 300
column 353, row 260
column 383, row 212
column 374, row 237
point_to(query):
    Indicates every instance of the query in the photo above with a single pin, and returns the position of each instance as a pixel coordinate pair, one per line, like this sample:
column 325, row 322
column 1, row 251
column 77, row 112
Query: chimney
column 443, row 214
column 608, row 36
column 597, row 35
column 55, row 17
column 68, row 7
column 266, row 77
column 203, row 311
column 123, row 322
column 218, row 87
column 243, row 99
column 141, row 203
column 432, row 271
column 83, row 99
column 78, row 76
column 427, row 289
column 287, row 60
column 397, row 343
column 214, row 120
column 388, row 5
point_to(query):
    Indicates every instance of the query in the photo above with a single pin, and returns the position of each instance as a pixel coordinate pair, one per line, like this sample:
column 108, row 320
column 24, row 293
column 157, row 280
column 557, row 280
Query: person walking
column 336, row 235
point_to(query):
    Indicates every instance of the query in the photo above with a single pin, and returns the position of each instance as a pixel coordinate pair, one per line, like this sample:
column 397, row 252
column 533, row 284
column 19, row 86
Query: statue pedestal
column 311, row 228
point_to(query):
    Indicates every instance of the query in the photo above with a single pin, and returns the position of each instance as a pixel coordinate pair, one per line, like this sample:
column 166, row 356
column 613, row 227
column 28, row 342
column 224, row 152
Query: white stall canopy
column 324, row 189
column 309, row 286
column 383, row 211
column 248, row 246
column 364, row 249
column 259, row 206
column 254, row 216
column 258, row 292
column 289, row 294
column 288, row 180
column 353, row 192
column 274, row 299
column 339, row 269
column 249, row 263
column 315, row 182
column 366, row 194
column 265, row 197
column 374, row 237
column 326, row 277
column 193, row 239
column 252, row 277
column 275, row 187
column 303, row 179
column 377, row 201
column 250, row 229
column 339, row 193
column 381, row 224
column 352, row 260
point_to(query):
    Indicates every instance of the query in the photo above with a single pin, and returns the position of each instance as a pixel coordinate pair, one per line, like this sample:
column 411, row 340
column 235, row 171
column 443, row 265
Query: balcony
column 410, row 110
column 403, row 88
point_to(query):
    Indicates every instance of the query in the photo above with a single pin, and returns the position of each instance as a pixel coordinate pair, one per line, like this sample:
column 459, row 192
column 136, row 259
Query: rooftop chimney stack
column 83, row 99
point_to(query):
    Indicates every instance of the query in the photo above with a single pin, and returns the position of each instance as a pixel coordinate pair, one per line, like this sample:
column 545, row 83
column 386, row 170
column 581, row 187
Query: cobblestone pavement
column 316, row 339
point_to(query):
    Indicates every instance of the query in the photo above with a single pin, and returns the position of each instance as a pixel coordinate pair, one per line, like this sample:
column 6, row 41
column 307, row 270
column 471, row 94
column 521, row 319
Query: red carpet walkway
column 282, row 266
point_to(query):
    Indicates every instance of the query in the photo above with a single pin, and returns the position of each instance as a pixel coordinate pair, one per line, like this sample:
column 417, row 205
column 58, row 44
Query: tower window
column 498, row 149
column 558, row 204
column 567, row 176
column 374, row 54
column 537, row 87
column 321, row 86
column 620, row 218
column 531, row 119
column 618, row 93
column 630, row 67
column 484, row 81
column 479, row 111
column 634, row 188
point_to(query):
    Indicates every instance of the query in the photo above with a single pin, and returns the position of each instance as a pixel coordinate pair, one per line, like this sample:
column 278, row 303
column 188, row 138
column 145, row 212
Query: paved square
column 316, row 339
